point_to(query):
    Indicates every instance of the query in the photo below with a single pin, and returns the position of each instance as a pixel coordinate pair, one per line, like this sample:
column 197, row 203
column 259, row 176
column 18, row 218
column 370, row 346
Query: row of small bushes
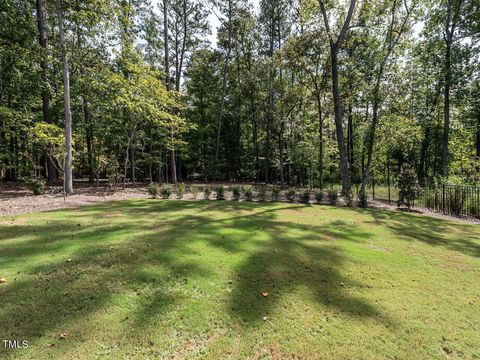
column 248, row 193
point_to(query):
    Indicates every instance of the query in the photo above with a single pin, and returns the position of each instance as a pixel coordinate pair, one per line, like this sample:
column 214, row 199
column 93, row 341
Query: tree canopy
column 296, row 92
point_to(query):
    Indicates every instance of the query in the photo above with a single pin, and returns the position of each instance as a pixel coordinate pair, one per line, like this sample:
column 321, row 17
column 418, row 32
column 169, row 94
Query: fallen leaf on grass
column 63, row 336
column 447, row 350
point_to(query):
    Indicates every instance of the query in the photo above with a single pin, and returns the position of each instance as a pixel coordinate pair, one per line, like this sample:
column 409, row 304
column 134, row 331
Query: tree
column 451, row 20
column 68, row 178
column 392, row 36
column 335, row 44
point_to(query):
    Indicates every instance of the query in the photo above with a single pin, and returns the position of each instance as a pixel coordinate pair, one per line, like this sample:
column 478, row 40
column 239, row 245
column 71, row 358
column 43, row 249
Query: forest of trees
column 293, row 92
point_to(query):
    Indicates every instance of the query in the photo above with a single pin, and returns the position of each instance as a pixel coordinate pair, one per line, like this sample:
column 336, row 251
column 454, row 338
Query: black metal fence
column 454, row 200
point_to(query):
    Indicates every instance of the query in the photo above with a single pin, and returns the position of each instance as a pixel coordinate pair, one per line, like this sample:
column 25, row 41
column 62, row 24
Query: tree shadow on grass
column 459, row 237
column 115, row 243
column 307, row 257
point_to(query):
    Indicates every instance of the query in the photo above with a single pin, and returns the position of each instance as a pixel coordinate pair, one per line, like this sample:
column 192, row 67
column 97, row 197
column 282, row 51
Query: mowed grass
column 152, row 279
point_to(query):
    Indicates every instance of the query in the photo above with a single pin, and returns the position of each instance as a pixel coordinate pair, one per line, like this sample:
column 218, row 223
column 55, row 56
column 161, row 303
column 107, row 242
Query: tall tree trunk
column 350, row 135
column 337, row 104
column 224, row 89
column 132, row 165
column 173, row 166
column 391, row 40
column 51, row 170
column 165, row 44
column 478, row 133
column 178, row 75
column 422, row 168
column 320, row 137
column 89, row 139
column 270, row 114
column 125, row 166
column 42, row 39
column 255, row 136
column 371, row 133
column 449, row 30
column 68, row 180
column 282, row 178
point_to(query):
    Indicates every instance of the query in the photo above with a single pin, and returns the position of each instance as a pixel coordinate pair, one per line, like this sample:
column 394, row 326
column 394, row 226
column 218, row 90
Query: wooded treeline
column 296, row 92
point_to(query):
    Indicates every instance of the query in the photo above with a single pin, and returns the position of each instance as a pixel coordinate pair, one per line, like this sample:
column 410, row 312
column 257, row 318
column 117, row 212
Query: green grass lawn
column 184, row 279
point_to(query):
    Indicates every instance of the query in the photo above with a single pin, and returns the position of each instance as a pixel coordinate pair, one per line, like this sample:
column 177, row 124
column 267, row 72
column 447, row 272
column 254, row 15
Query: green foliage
column 319, row 196
column 121, row 105
column 180, row 190
column 262, row 193
column 236, row 192
column 408, row 186
column 248, row 193
column 291, row 194
column 305, row 196
column 332, row 196
column 207, row 191
column 36, row 186
column 220, row 192
column 153, row 189
column 275, row 193
column 166, row 190
column 194, row 190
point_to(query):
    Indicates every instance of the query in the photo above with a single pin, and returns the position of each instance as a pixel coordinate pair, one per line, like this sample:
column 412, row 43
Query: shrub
column 180, row 190
column 362, row 199
column 236, row 192
column 332, row 196
column 207, row 192
column 194, row 190
column 319, row 195
column 305, row 196
column 220, row 192
column 408, row 186
column 275, row 193
column 36, row 186
column 262, row 193
column 248, row 193
column 291, row 194
column 153, row 189
column 165, row 191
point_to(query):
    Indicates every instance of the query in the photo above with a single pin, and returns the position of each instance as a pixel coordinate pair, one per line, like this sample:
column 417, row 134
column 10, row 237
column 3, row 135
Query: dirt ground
column 16, row 199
